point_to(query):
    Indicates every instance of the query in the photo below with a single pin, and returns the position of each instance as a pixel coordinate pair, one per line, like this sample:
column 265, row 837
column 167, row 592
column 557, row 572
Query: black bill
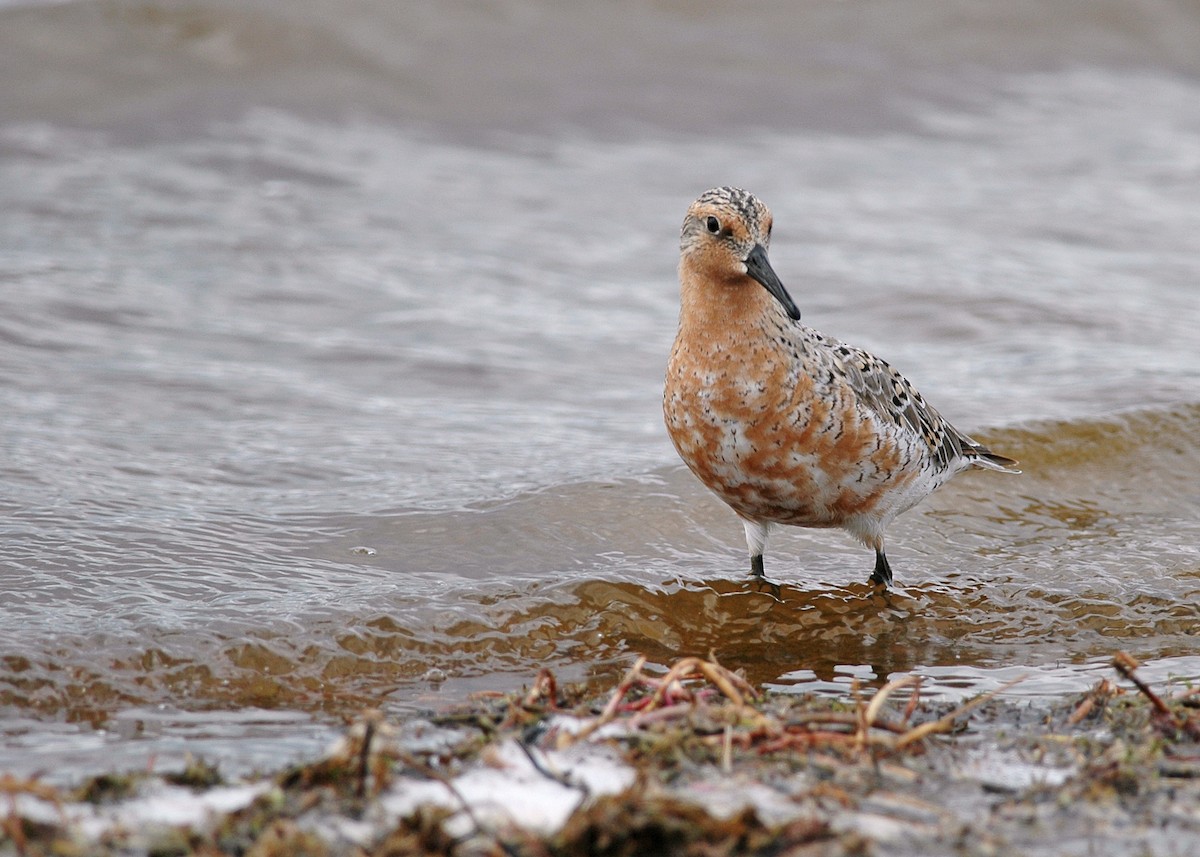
column 760, row 269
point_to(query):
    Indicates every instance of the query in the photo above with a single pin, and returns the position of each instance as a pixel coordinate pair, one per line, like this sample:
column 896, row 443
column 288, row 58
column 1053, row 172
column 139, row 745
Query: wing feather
column 889, row 394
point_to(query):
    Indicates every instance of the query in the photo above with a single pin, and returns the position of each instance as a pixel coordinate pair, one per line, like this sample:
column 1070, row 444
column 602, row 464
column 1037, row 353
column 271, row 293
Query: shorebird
column 783, row 423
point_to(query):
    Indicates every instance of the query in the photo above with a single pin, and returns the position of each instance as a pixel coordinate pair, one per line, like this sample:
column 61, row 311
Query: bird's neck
column 729, row 304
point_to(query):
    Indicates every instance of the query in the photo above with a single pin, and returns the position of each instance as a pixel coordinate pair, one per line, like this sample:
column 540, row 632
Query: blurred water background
column 332, row 337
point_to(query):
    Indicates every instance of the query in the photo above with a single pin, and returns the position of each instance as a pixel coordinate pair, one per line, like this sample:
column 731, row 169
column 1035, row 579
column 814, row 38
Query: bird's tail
column 985, row 458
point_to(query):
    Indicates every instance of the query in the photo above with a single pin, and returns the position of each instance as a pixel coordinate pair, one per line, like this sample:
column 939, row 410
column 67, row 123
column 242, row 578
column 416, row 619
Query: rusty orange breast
column 773, row 439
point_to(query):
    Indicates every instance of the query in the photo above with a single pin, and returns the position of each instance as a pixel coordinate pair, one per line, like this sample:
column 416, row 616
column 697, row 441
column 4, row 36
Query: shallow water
column 331, row 346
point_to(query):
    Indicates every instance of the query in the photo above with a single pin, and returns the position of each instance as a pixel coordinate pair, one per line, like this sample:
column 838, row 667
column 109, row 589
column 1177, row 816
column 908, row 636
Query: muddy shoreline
column 694, row 761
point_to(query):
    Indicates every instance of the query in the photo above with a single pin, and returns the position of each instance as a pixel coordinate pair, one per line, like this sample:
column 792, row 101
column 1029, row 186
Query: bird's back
column 880, row 388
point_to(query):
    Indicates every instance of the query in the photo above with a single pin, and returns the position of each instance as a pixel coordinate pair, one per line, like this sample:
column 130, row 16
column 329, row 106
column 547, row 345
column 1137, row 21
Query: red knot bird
column 783, row 423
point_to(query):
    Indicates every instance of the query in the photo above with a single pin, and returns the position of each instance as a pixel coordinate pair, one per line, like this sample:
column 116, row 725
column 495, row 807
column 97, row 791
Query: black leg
column 760, row 578
column 883, row 572
column 756, row 565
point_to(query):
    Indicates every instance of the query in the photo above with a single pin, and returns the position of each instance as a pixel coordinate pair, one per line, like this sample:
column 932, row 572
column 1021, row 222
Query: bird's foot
column 882, row 575
column 756, row 565
column 759, row 577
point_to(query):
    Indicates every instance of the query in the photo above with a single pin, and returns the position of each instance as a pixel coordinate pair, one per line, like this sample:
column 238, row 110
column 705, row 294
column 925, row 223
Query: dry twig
column 1101, row 693
column 545, row 688
column 1125, row 664
column 945, row 724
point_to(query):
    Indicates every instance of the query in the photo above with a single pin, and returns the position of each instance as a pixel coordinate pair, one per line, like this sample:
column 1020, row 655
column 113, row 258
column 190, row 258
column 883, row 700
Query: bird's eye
column 714, row 225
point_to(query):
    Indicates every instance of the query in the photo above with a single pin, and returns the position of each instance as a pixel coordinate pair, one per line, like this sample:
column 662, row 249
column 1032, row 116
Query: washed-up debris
column 692, row 761
column 1166, row 719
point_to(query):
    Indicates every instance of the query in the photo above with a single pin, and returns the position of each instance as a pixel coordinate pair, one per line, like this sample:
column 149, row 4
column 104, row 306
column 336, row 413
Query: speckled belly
column 783, row 450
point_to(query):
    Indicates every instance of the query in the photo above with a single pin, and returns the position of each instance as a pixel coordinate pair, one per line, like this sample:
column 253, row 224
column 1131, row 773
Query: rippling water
column 331, row 346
